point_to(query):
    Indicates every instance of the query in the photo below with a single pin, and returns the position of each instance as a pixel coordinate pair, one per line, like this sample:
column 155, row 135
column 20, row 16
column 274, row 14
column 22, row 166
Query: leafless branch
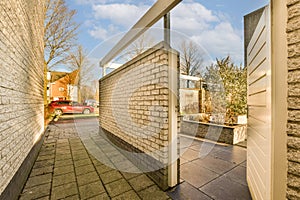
column 191, row 58
column 60, row 32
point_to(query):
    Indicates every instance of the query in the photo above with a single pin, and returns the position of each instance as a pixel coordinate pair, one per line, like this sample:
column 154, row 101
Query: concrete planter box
column 220, row 133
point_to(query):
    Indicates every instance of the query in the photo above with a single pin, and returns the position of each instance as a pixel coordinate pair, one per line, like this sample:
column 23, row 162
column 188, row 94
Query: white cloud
column 99, row 33
column 221, row 41
column 124, row 15
column 210, row 29
column 192, row 16
column 93, row 2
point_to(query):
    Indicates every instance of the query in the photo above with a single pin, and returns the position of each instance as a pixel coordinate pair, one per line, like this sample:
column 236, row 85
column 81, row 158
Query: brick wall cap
column 160, row 46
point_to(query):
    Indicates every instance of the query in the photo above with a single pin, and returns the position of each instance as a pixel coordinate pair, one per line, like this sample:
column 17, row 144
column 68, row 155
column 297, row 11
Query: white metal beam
column 154, row 14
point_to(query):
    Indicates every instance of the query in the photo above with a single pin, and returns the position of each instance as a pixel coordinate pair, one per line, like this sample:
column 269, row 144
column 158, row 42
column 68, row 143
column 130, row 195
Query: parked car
column 91, row 102
column 60, row 107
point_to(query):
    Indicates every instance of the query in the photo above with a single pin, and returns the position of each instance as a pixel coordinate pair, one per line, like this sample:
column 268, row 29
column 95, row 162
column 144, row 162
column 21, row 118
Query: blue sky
column 216, row 25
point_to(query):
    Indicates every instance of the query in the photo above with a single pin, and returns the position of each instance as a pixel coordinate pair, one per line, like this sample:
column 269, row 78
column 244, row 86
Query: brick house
column 63, row 86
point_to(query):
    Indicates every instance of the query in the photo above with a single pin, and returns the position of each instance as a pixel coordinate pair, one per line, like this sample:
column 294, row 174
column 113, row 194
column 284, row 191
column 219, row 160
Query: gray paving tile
column 141, row 182
column 63, row 142
column 60, row 149
column 63, row 157
column 223, row 188
column 63, row 170
column 128, row 175
column 190, row 155
column 63, row 191
column 126, row 166
column 103, row 168
column 185, row 142
column 48, row 147
column 63, row 179
column 74, row 197
column 80, row 156
column 43, row 163
column 183, row 161
column 153, row 192
column 186, row 191
column 236, row 149
column 48, row 152
column 119, row 159
column 244, row 164
column 87, row 178
column 82, row 162
column 76, row 144
column 118, row 187
column 91, row 190
column 214, row 164
column 62, row 163
column 110, row 176
column 36, row 192
column 41, row 171
column 78, row 149
column 236, row 156
column 38, row 180
column 238, row 174
column 96, row 162
column 195, row 175
column 208, row 148
column 63, row 151
column 127, row 195
column 84, row 169
column 45, row 157
column 75, row 141
column 104, row 160
column 113, row 153
column 44, row 198
column 102, row 196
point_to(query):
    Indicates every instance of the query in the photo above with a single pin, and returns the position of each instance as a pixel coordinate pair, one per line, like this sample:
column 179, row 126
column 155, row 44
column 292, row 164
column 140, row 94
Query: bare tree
column 191, row 59
column 59, row 36
column 144, row 42
column 60, row 32
column 79, row 61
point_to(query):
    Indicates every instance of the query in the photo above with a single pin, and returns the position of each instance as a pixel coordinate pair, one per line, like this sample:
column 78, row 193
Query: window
column 63, row 102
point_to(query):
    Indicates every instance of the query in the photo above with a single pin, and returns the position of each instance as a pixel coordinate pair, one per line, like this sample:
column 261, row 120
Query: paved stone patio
column 211, row 171
column 65, row 169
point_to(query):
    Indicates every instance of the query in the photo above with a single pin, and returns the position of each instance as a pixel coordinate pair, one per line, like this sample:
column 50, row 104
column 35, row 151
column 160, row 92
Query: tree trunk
column 46, row 114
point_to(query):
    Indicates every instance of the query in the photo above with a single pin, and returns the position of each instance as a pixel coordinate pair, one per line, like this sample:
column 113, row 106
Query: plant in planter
column 227, row 85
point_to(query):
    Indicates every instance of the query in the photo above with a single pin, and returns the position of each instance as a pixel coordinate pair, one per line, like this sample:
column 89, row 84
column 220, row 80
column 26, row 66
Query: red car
column 60, row 107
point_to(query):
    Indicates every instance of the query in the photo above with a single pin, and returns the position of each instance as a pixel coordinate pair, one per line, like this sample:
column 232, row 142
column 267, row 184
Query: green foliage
column 227, row 85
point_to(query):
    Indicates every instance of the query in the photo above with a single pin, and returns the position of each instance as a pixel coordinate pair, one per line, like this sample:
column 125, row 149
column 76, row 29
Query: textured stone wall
column 134, row 103
column 293, row 127
column 214, row 132
column 21, row 83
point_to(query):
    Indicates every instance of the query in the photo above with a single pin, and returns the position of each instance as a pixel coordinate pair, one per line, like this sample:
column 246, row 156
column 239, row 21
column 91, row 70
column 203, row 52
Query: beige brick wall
column 21, row 82
column 293, row 127
column 134, row 103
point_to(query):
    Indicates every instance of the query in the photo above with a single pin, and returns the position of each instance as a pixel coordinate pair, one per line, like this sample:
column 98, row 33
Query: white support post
column 173, row 114
column 167, row 24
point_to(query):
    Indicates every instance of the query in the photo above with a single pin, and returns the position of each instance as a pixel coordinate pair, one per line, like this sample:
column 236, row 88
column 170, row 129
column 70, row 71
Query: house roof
column 69, row 78
column 57, row 75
